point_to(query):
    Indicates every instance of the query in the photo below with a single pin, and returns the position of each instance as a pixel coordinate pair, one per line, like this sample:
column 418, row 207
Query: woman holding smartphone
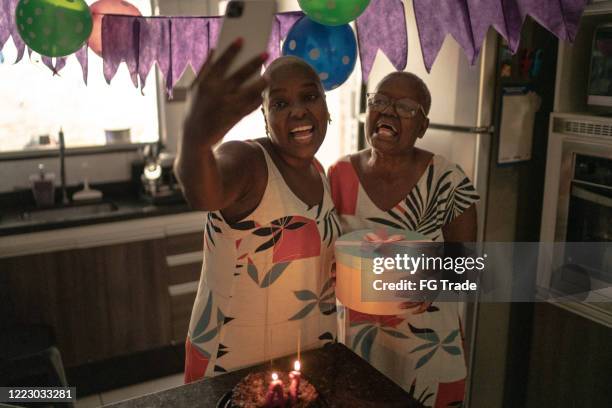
column 270, row 220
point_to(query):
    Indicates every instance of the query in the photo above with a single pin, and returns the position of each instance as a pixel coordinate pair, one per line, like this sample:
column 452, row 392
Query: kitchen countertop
column 133, row 221
column 342, row 378
column 128, row 199
column 12, row 223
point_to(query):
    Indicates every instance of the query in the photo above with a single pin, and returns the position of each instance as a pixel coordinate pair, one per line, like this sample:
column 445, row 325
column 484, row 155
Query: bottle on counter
column 43, row 187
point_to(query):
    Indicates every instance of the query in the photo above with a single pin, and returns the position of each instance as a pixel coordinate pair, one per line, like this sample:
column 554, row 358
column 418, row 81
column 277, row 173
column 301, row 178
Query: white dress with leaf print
column 264, row 279
column 423, row 353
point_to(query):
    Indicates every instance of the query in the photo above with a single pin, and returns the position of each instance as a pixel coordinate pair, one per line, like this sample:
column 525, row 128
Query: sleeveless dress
column 422, row 353
column 264, row 280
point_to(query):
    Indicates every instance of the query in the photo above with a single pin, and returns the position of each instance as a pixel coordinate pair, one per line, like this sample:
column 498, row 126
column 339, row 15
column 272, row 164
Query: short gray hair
column 290, row 60
column 422, row 86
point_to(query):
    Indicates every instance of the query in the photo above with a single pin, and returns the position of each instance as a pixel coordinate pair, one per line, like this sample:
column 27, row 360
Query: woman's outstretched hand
column 418, row 307
column 219, row 101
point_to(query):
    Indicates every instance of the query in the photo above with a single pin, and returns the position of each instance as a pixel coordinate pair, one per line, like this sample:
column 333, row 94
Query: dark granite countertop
column 342, row 378
column 128, row 205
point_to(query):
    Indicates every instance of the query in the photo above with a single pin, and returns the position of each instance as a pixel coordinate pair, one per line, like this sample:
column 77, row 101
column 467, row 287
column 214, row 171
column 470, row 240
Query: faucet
column 62, row 154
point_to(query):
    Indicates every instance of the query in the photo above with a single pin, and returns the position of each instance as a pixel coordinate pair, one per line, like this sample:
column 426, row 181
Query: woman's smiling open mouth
column 385, row 131
column 302, row 134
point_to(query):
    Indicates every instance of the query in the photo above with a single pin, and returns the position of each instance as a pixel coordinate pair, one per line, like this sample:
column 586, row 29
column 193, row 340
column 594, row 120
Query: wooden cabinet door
column 25, row 294
column 138, row 304
column 64, row 290
column 78, row 293
column 102, row 302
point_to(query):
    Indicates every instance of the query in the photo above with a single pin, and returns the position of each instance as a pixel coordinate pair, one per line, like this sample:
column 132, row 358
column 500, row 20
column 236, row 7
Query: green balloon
column 53, row 28
column 333, row 12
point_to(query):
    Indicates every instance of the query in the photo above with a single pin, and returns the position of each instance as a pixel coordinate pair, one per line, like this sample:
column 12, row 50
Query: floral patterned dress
column 423, row 353
column 264, row 279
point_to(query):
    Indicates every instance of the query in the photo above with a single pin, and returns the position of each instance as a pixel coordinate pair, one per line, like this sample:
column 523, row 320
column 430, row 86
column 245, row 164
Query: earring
column 329, row 120
column 263, row 112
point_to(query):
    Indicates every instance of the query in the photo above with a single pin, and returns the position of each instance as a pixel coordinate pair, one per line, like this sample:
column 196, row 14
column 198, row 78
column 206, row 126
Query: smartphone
column 250, row 20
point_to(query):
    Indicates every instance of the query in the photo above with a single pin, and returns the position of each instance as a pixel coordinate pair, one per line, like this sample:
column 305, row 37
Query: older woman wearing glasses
column 393, row 183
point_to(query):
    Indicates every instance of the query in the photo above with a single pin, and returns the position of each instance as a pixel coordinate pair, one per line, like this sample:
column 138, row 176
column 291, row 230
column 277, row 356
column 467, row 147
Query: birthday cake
column 253, row 391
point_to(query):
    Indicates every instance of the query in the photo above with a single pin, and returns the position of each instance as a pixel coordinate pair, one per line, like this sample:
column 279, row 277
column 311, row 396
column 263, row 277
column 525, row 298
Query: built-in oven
column 584, row 212
column 576, row 232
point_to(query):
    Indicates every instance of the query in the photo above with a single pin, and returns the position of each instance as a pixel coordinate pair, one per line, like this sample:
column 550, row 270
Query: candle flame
column 297, row 365
column 274, row 376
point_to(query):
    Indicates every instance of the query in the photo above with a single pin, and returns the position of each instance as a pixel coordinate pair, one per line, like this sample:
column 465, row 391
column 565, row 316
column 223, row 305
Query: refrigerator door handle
column 462, row 129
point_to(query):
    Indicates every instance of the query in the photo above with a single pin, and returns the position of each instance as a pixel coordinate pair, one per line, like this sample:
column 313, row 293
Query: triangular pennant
column 436, row 19
column 120, row 43
column 81, row 56
column 214, row 28
column 572, row 12
column 382, row 26
column 502, row 15
column 154, row 46
column 281, row 26
column 188, row 52
column 5, row 31
column 8, row 27
column 560, row 17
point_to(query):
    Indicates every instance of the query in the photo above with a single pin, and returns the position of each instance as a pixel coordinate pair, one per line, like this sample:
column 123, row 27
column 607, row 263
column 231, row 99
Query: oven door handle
column 600, row 196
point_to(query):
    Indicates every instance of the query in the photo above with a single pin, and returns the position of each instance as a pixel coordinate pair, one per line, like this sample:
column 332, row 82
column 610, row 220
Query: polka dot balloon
column 53, row 28
column 332, row 51
column 333, row 12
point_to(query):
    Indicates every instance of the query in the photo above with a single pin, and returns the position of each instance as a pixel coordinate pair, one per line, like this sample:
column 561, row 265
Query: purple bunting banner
column 468, row 21
column 173, row 43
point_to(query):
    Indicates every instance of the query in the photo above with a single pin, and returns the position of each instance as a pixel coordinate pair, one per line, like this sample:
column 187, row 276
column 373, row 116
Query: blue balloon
column 331, row 50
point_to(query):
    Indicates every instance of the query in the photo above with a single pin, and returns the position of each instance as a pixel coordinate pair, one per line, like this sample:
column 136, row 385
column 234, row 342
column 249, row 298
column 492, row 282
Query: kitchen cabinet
column 109, row 289
column 571, row 360
column 109, row 300
column 184, row 265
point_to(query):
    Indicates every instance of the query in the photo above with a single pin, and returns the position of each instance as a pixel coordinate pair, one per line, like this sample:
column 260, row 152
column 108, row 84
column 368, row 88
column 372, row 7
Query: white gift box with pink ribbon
column 355, row 256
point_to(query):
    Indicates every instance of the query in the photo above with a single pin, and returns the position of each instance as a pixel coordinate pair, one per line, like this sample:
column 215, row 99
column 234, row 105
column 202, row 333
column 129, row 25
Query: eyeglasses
column 405, row 107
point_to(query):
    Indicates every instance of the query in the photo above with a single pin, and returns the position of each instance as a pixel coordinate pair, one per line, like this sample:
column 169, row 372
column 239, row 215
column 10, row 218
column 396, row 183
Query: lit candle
column 294, row 388
column 275, row 397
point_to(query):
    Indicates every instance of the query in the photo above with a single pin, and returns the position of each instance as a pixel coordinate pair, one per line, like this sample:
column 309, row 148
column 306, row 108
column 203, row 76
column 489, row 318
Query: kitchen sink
column 68, row 212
